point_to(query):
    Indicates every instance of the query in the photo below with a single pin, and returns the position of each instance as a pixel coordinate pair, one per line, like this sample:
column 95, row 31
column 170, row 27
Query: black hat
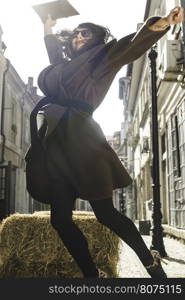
column 57, row 9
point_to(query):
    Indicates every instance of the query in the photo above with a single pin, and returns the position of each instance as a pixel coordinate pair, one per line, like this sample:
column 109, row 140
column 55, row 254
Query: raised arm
column 48, row 25
column 135, row 45
column 51, row 42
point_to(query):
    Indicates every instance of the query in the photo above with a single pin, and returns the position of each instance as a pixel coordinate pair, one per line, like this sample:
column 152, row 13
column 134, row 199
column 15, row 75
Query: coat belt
column 82, row 106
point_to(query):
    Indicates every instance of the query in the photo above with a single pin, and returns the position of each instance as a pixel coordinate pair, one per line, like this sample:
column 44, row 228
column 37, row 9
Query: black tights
column 62, row 204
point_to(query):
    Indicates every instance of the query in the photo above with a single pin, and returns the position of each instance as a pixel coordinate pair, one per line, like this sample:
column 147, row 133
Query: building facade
column 171, row 123
column 16, row 102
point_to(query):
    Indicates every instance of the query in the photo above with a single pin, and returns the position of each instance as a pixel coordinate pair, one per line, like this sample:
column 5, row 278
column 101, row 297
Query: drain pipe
column 2, row 111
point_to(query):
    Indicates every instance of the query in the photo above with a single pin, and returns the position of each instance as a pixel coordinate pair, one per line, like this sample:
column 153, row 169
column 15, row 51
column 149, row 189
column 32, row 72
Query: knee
column 103, row 218
column 60, row 223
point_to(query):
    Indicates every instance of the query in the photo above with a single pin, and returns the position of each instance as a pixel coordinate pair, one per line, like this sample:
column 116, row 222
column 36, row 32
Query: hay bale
column 30, row 247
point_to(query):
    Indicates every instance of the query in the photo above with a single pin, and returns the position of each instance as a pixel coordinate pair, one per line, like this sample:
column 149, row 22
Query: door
column 7, row 190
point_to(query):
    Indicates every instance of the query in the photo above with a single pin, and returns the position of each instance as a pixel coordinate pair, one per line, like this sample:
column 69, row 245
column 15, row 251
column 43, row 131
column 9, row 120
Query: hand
column 48, row 25
column 175, row 16
column 50, row 22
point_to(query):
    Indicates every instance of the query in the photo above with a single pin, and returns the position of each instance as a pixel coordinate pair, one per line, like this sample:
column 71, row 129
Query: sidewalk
column 131, row 267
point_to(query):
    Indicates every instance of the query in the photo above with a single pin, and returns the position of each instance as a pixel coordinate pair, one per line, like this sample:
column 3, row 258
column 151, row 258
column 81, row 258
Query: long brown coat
column 76, row 147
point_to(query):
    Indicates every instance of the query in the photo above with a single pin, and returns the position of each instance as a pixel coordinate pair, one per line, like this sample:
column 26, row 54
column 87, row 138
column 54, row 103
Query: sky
column 23, row 36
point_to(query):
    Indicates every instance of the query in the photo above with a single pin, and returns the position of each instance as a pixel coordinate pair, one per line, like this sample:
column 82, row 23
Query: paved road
column 131, row 267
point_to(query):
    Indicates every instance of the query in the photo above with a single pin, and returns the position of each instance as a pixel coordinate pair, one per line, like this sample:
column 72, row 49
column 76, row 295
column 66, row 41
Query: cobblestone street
column 131, row 267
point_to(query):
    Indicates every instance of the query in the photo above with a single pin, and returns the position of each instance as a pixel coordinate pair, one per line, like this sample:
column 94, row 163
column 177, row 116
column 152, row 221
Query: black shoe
column 155, row 270
column 102, row 274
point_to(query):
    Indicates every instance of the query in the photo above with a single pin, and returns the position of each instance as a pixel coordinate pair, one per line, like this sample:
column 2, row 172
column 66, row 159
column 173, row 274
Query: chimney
column 30, row 82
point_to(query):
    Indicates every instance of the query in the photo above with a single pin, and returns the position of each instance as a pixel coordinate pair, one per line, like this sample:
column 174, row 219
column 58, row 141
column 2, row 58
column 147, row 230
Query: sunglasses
column 85, row 33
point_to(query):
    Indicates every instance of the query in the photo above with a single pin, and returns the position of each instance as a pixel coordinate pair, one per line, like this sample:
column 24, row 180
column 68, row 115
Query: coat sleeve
column 53, row 48
column 132, row 46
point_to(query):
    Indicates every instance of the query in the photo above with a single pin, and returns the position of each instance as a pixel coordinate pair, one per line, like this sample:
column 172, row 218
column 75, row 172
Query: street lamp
column 157, row 230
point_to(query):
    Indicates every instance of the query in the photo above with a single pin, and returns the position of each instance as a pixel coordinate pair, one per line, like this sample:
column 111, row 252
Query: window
column 163, row 143
column 13, row 123
column 175, row 146
column 27, row 130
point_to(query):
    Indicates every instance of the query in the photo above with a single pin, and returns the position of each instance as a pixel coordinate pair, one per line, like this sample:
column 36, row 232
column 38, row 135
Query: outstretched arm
column 131, row 47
